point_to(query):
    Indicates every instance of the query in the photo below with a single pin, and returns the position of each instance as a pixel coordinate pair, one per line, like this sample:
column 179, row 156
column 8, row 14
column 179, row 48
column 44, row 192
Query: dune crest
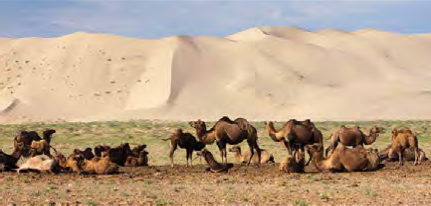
column 262, row 73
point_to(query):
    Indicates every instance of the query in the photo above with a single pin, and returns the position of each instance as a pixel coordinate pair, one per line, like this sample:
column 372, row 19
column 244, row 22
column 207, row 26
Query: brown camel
column 353, row 137
column 294, row 164
column 409, row 154
column 226, row 131
column 294, row 133
column 266, row 157
column 87, row 153
column 184, row 141
column 8, row 162
column 214, row 166
column 345, row 159
column 26, row 138
column 403, row 139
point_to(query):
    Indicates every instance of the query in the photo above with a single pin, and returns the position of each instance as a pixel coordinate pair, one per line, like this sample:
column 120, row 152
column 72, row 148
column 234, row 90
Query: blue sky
column 156, row 19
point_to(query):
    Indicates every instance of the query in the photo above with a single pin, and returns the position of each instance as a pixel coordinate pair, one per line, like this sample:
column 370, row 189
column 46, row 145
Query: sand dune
column 261, row 73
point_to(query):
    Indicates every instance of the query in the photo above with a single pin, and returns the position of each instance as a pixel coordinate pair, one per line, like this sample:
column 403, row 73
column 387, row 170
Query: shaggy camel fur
column 213, row 165
column 97, row 165
column 403, row 139
column 294, row 164
column 118, row 155
column 87, row 153
column 295, row 132
column 26, row 138
column 344, row 159
column 266, row 157
column 226, row 131
column 184, row 141
column 409, row 154
column 40, row 163
column 139, row 160
column 353, row 137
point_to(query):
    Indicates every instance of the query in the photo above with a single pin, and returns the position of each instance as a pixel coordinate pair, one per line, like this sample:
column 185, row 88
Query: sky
column 163, row 18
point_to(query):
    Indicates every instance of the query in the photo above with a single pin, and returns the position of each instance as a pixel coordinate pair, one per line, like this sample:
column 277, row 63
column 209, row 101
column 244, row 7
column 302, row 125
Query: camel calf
column 214, row 166
column 266, row 157
column 294, row 164
column 184, row 141
column 402, row 140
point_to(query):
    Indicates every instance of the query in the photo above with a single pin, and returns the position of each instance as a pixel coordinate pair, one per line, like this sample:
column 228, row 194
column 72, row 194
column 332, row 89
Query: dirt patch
column 161, row 185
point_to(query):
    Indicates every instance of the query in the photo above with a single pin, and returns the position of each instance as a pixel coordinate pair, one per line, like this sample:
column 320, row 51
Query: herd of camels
column 345, row 153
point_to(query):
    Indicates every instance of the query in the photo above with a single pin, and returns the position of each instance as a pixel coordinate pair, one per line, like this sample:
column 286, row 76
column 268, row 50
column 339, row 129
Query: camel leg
column 171, row 153
column 310, row 155
column 187, row 157
column 191, row 157
column 220, row 147
column 417, row 160
column 401, row 156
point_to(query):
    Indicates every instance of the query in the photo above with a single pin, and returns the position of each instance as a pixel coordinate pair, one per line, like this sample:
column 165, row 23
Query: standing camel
column 403, row 139
column 186, row 141
column 352, row 137
column 295, row 132
column 226, row 131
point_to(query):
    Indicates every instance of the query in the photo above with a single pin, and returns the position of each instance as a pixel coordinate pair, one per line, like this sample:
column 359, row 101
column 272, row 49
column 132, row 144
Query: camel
column 295, row 132
column 294, row 164
column 213, row 165
column 226, row 131
column 40, row 163
column 137, row 160
column 97, row 165
column 403, row 139
column 353, row 137
column 87, row 153
column 7, row 161
column 266, row 157
column 345, row 159
column 28, row 137
column 117, row 155
column 409, row 154
column 184, row 141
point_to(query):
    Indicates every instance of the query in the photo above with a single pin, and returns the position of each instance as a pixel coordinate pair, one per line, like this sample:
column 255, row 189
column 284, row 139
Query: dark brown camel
column 28, row 137
column 353, row 137
column 184, row 141
column 295, row 134
column 226, row 131
column 8, row 162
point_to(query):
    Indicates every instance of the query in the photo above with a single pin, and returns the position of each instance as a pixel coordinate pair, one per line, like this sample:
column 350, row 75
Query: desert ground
column 159, row 184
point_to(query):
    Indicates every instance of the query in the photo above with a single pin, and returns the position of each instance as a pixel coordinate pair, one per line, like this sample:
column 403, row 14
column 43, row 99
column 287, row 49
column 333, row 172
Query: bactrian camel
column 226, row 131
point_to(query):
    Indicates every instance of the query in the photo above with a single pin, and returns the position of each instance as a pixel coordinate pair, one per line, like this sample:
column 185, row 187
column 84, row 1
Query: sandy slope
column 261, row 73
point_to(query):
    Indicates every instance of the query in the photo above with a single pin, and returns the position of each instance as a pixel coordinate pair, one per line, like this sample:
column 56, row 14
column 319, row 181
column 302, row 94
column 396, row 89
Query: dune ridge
column 263, row 73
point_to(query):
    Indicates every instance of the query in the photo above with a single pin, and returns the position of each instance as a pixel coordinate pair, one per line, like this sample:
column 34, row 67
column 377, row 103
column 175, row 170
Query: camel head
column 376, row 129
column 49, row 132
column 198, row 125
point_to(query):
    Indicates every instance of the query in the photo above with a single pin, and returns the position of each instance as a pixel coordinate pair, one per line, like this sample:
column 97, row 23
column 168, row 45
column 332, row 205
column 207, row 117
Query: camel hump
column 226, row 119
column 242, row 123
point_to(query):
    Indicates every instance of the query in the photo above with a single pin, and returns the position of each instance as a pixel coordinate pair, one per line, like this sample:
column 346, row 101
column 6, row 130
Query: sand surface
column 262, row 73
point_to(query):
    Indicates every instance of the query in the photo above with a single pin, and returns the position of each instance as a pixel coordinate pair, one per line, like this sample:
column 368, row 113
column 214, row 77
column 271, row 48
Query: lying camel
column 213, row 165
column 40, row 163
column 225, row 131
column 295, row 133
column 294, row 164
column 117, row 155
column 409, row 154
column 8, row 162
column 184, row 141
column 137, row 161
column 353, row 137
column 97, row 165
column 87, row 153
column 26, row 138
column 266, row 157
column 403, row 139
column 344, row 159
